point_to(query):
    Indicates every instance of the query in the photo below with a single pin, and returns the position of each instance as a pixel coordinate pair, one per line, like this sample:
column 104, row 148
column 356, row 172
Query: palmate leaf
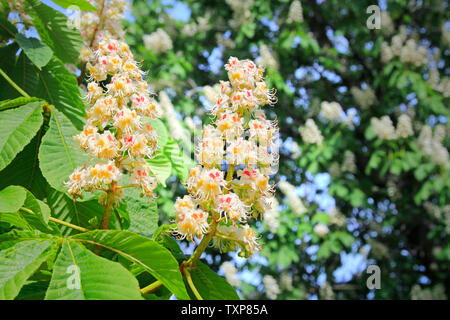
column 36, row 219
column 79, row 274
column 37, row 51
column 145, row 252
column 81, row 4
column 142, row 212
column 210, row 285
column 19, row 262
column 12, row 198
column 17, row 127
column 177, row 158
column 25, row 76
column 59, row 87
column 24, row 170
column 161, row 167
column 76, row 212
column 12, row 103
column 56, row 31
column 59, row 154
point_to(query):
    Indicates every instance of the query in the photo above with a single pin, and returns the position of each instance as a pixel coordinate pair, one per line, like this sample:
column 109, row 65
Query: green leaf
column 60, row 88
column 12, row 198
column 79, row 274
column 161, row 167
column 25, row 171
column 12, row 103
column 143, row 251
column 19, row 262
column 56, row 31
column 15, row 236
column 162, row 132
column 357, row 197
column 210, row 285
column 173, row 152
column 37, row 219
column 59, row 154
column 81, row 4
column 76, row 212
column 143, row 212
column 38, row 52
column 17, row 128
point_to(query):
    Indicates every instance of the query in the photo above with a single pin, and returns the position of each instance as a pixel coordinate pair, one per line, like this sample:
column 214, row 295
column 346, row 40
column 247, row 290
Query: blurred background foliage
column 362, row 192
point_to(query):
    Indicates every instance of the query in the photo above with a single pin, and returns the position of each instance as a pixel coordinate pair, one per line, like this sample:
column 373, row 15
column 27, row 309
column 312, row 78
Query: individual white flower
column 191, row 221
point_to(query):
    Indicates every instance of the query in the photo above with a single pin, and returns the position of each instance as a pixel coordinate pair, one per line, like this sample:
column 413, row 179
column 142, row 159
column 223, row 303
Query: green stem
column 152, row 287
column 67, row 224
column 12, row 83
column 191, row 284
column 109, row 204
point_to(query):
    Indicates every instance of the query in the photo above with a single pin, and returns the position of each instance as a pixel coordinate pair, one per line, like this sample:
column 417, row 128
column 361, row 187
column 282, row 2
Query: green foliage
column 17, row 128
column 59, row 154
column 94, row 283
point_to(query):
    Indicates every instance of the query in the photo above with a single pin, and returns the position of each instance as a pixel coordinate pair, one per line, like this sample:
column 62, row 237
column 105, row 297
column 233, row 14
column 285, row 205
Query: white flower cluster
column 232, row 142
column 202, row 25
column 326, row 291
column 115, row 130
column 271, row 286
column 431, row 144
column 286, row 281
column 384, row 128
column 406, row 49
column 310, row 133
column 176, row 129
column 266, row 59
column 158, row 41
column 212, row 93
column 436, row 292
column 364, row 98
column 337, row 217
column 226, row 42
column 404, row 127
column 295, row 12
column 230, row 272
column 241, row 12
column 387, row 25
column 100, row 25
column 332, row 111
column 18, row 7
column 348, row 164
column 438, row 84
column 271, row 216
column 293, row 199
